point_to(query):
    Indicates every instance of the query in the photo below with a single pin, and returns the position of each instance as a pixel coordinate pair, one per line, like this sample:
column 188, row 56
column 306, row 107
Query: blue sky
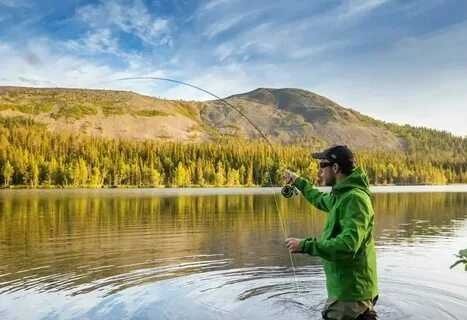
column 399, row 61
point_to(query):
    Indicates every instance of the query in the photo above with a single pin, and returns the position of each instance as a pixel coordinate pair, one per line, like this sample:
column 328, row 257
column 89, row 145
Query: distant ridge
column 287, row 115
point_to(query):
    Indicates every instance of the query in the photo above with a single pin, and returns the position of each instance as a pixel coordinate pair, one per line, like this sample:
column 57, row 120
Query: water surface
column 214, row 254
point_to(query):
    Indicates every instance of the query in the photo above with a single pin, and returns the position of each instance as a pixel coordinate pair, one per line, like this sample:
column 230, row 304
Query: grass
column 75, row 104
column 187, row 110
column 75, row 111
column 35, row 108
column 112, row 110
column 151, row 113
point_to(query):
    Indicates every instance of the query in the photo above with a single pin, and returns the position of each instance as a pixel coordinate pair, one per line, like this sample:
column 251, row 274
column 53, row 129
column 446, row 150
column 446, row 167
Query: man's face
column 326, row 174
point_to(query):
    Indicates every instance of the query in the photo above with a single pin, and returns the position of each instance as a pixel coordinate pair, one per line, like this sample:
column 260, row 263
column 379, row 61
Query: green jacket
column 346, row 245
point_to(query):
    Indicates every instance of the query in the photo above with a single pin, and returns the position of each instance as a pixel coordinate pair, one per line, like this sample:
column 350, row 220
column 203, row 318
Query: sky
column 398, row 61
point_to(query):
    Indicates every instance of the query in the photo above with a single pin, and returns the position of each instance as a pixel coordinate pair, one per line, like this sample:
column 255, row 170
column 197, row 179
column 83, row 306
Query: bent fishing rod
column 287, row 190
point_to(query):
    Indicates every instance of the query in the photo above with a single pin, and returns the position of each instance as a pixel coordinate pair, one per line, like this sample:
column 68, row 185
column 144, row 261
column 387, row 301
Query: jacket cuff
column 301, row 246
column 300, row 183
column 307, row 246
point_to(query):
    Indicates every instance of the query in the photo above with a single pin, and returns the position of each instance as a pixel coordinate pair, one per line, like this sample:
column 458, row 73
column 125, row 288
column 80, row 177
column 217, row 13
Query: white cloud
column 232, row 79
column 420, row 80
column 212, row 4
column 241, row 51
column 405, row 84
column 134, row 19
column 220, row 82
column 56, row 69
column 308, row 51
column 221, row 25
column 355, row 8
column 225, row 23
column 288, row 38
column 99, row 41
column 53, row 69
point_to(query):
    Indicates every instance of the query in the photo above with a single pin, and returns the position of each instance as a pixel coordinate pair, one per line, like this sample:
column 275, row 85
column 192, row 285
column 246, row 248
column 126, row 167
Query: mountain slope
column 295, row 115
column 111, row 114
column 284, row 115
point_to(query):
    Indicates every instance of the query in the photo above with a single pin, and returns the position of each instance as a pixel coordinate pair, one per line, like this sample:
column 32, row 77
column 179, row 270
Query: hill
column 96, row 138
column 285, row 116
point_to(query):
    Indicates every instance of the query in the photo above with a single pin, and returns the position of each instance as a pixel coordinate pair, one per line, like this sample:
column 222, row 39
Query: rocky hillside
column 284, row 115
column 294, row 115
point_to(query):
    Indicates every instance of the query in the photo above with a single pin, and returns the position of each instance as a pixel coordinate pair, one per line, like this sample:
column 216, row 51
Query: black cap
column 336, row 154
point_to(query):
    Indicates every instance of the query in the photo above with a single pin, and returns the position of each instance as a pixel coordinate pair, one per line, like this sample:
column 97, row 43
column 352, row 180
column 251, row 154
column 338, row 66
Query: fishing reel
column 289, row 191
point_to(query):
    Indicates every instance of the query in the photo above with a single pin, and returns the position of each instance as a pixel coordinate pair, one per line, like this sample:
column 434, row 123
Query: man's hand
column 293, row 245
column 289, row 177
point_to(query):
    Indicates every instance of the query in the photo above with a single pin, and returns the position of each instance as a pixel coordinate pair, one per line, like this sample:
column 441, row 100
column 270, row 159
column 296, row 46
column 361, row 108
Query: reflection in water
column 128, row 254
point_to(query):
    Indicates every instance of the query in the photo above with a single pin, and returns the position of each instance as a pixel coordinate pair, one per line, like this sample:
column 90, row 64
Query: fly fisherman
column 346, row 246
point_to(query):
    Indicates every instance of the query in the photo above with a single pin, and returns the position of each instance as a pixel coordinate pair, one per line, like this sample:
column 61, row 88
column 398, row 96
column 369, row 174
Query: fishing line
column 281, row 221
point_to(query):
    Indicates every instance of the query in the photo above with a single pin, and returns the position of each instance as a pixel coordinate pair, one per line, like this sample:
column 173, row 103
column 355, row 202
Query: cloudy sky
column 399, row 61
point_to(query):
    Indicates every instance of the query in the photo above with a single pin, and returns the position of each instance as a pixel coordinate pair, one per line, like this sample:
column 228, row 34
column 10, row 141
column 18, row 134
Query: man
column 346, row 246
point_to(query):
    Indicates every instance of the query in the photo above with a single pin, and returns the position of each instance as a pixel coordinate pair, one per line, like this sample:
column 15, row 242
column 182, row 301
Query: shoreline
column 228, row 190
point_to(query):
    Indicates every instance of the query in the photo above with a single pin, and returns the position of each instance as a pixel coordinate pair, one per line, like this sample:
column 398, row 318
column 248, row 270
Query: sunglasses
column 323, row 165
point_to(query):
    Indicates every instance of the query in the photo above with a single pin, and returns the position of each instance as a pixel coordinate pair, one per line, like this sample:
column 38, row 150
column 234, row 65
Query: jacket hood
column 357, row 179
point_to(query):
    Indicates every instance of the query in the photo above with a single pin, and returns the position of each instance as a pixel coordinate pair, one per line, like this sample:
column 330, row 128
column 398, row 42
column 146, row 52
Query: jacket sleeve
column 321, row 200
column 355, row 223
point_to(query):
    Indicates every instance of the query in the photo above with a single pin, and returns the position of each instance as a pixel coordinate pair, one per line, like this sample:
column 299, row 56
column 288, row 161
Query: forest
column 33, row 157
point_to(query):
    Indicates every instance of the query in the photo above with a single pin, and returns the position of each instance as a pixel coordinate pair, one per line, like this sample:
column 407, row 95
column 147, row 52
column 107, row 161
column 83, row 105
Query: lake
column 216, row 254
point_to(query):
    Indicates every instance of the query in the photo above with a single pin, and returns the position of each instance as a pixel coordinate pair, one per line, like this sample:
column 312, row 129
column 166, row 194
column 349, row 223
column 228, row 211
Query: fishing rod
column 287, row 190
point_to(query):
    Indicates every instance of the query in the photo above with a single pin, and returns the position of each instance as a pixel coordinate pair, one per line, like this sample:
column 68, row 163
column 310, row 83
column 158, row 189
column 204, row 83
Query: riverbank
column 233, row 190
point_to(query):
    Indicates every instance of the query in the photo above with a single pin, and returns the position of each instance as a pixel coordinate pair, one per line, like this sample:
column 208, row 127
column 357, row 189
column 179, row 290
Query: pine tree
column 249, row 178
column 156, row 178
column 7, row 172
column 199, row 180
column 233, row 177
column 96, row 178
column 219, row 179
column 34, row 174
column 180, row 175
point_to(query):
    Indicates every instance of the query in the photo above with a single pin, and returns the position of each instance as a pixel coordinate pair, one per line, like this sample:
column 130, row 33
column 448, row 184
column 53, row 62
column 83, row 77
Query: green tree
column 219, row 178
column 233, row 177
column 34, row 174
column 156, row 178
column 181, row 176
column 249, row 178
column 96, row 178
column 7, row 172
column 199, row 180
